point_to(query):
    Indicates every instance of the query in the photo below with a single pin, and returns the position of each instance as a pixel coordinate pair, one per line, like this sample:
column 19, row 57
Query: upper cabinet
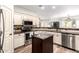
column 17, row 19
column 34, row 19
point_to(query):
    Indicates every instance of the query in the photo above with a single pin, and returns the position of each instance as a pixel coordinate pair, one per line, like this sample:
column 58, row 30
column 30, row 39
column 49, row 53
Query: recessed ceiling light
column 53, row 7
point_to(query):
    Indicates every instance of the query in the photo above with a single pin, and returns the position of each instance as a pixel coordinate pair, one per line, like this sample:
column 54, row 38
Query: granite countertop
column 19, row 32
column 70, row 32
column 43, row 35
column 74, row 32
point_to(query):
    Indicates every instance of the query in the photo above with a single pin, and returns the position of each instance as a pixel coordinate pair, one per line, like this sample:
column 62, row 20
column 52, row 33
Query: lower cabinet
column 77, row 43
column 66, row 40
column 57, row 38
column 19, row 40
column 42, row 45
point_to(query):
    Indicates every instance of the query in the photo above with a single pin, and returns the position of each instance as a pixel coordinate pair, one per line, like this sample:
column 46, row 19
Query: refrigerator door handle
column 2, row 32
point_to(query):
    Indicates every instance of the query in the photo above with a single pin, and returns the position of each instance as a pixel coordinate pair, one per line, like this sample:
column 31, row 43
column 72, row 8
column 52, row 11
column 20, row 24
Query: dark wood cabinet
column 40, row 45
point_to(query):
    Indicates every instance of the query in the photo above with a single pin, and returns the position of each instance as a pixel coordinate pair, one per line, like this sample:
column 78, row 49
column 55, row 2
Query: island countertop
column 43, row 35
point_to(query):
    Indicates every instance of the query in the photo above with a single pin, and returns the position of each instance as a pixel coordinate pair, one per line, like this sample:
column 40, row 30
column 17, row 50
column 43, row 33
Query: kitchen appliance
column 27, row 23
column 27, row 26
column 68, row 40
column 2, row 30
column 55, row 24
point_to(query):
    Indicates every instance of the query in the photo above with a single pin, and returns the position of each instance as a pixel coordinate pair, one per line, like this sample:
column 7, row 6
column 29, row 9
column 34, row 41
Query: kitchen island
column 42, row 43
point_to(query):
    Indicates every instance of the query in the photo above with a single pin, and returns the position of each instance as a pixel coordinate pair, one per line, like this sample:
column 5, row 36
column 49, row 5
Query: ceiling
column 50, row 12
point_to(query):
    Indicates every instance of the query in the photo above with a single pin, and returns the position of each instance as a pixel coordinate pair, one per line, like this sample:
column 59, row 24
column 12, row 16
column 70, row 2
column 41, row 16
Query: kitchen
column 60, row 21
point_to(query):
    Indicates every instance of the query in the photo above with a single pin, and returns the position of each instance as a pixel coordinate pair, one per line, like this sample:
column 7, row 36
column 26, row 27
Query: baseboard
column 66, row 47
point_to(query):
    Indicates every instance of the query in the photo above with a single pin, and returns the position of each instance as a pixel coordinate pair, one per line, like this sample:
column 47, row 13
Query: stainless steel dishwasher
column 68, row 40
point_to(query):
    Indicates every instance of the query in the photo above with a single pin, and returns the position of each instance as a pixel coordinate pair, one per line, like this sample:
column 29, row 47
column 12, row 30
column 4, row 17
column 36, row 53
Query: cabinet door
column 77, row 43
column 35, row 21
column 16, row 40
column 57, row 38
column 19, row 40
column 44, row 24
column 17, row 19
column 8, row 19
column 26, row 17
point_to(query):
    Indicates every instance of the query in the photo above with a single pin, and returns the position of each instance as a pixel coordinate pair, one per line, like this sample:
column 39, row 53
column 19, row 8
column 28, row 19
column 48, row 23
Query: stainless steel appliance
column 2, row 30
column 27, row 26
column 55, row 24
column 68, row 40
